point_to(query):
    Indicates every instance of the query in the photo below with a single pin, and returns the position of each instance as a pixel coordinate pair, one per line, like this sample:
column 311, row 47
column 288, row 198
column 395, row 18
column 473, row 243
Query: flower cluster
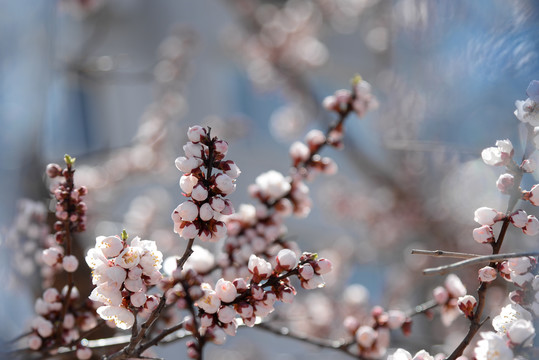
column 360, row 99
column 221, row 305
column 260, row 229
column 199, row 216
column 373, row 334
column 49, row 309
column 448, row 296
column 123, row 274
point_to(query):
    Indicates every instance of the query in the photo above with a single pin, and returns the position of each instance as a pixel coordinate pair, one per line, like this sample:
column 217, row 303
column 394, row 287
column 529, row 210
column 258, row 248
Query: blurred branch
column 440, row 270
column 441, row 253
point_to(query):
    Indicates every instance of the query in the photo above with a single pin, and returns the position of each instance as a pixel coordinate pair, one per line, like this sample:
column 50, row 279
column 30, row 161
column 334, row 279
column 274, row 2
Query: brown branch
column 441, row 253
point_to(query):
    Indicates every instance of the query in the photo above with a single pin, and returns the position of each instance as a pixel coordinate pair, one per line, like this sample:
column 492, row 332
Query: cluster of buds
column 259, row 229
column 70, row 209
column 360, row 99
column 281, row 41
column 527, row 110
column 49, row 309
column 448, row 296
column 522, row 272
column 373, row 334
column 222, row 305
column 199, row 215
column 487, row 217
column 123, row 273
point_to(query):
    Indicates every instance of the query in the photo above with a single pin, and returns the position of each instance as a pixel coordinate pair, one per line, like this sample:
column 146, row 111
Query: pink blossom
column 483, row 234
column 441, row 295
column 210, row 302
column 225, row 290
column 287, row 259
column 199, row 193
column 259, row 267
column 51, row 295
column 221, row 147
column 70, row 263
column 34, row 342
column 519, row 218
column 299, row 152
column 51, row 256
column 487, row 274
column 122, row 317
column 505, row 183
column 225, row 184
column 84, row 353
column 315, row 138
column 196, row 133
column 365, row 336
column 532, row 227
column 323, row 266
column 485, row 216
column 454, row 286
column 226, row 314
column 188, row 182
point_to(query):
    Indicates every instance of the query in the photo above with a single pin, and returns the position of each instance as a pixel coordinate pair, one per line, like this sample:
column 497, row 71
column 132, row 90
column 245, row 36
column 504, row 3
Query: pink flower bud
column 532, row 227
column 199, row 193
column 187, row 183
column 138, row 299
column 53, row 170
column 218, row 336
column 189, row 232
column 51, row 256
column 225, row 184
column 225, row 290
column 287, row 259
column 365, row 336
column 466, row 304
column 454, row 286
column 306, row 271
column 528, row 165
column 221, row 147
column 486, row 216
column 187, row 164
column 299, row 152
column 260, row 268
column 322, row 266
column 196, row 133
column 187, row 211
column 84, row 353
column 34, row 342
column 533, row 195
column 519, row 265
column 487, row 274
column 206, row 320
column 226, row 314
column 440, row 295
column 51, row 295
column 229, row 209
column 317, row 281
column 219, row 231
column 395, row 319
column 231, row 169
column 315, row 138
column 193, row 150
column 483, row 234
column 505, row 183
column 70, row 263
column 343, row 97
column 519, row 218
column 217, row 204
column 330, row 103
column 206, row 212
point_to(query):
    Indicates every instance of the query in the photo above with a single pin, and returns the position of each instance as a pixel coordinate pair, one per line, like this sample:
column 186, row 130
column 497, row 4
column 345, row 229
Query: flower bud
column 225, row 290
column 287, row 259
column 199, row 193
column 221, row 147
column 485, row 216
column 466, row 304
column 505, row 183
column 440, row 295
column 487, row 274
column 365, row 336
column 532, row 227
column 519, row 218
column 225, row 184
column 187, row 183
column 196, row 133
column 483, row 234
column 70, row 263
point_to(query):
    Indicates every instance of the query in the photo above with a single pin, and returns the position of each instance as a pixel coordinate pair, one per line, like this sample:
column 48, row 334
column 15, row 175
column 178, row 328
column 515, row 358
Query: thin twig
column 440, row 270
column 441, row 253
column 422, row 308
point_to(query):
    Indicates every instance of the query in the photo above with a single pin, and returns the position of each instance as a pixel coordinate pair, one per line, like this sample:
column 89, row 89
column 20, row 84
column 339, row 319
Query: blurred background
column 116, row 84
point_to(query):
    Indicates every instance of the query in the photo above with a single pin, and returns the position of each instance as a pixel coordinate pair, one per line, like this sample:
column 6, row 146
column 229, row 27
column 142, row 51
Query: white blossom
column 492, row 347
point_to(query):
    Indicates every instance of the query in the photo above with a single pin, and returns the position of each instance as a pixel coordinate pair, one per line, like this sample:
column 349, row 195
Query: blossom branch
column 441, row 253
